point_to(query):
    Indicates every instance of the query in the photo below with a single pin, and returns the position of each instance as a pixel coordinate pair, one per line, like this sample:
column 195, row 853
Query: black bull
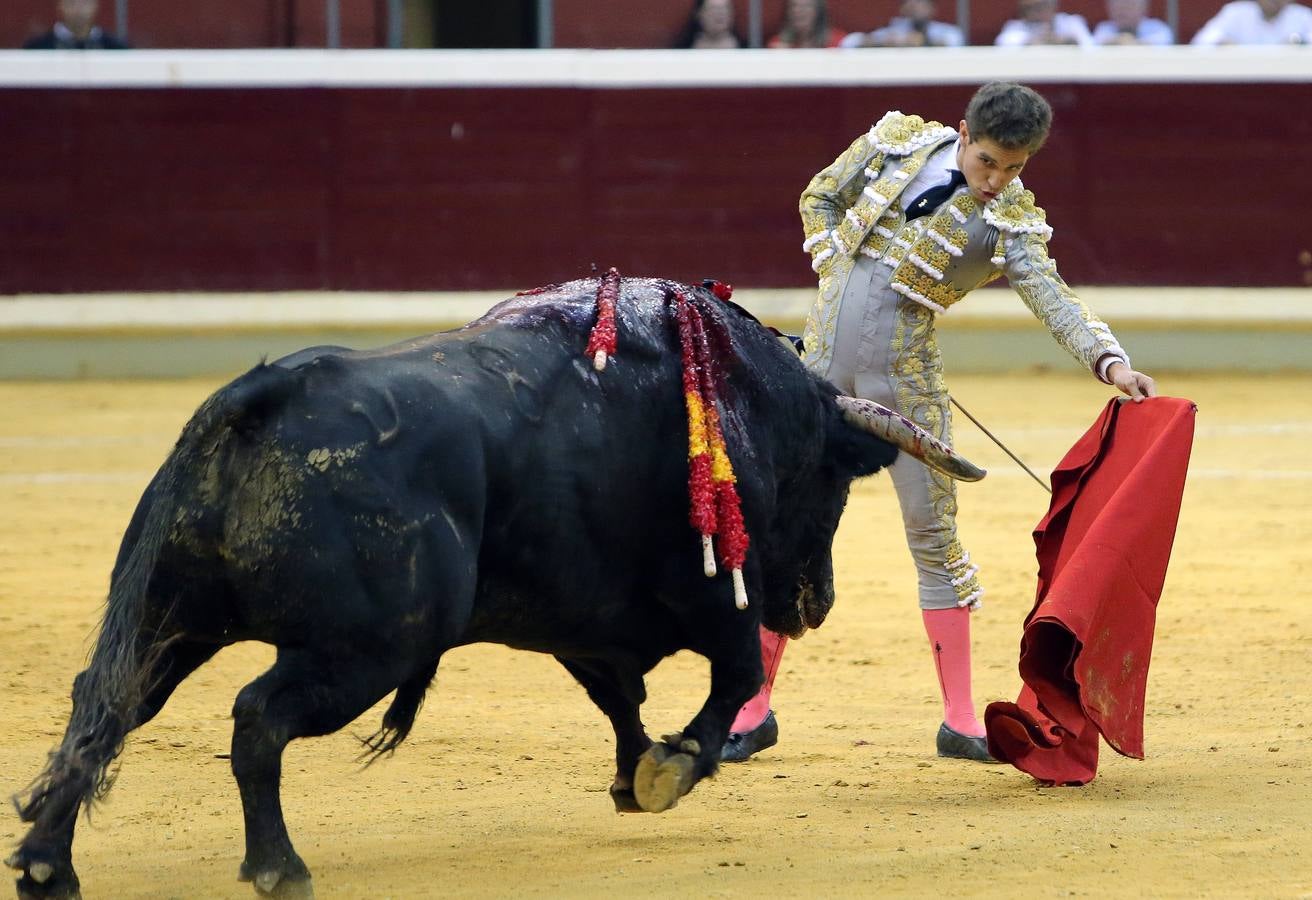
column 365, row 512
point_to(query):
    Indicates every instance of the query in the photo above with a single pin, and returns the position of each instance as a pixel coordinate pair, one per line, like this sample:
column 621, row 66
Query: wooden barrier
column 356, row 176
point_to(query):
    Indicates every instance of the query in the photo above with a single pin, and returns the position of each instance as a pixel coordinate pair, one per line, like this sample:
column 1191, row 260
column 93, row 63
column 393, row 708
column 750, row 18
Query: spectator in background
column 1128, row 23
column 76, row 30
column 1258, row 22
column 710, row 27
column 1040, row 23
column 806, row 24
column 915, row 27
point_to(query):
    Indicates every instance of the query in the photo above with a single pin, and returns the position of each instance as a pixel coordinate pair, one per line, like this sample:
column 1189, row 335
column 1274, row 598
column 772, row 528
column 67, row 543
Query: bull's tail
column 107, row 693
column 399, row 718
column 110, row 695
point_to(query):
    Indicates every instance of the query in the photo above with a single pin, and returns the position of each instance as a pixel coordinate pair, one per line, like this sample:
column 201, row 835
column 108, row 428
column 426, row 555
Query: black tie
column 933, row 198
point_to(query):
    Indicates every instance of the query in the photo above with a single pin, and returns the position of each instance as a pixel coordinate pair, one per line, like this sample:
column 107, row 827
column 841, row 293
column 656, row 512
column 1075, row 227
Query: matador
column 913, row 216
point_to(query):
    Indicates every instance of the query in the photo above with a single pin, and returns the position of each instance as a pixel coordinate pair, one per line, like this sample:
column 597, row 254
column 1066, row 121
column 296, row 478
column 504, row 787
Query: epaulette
column 1014, row 211
column 899, row 135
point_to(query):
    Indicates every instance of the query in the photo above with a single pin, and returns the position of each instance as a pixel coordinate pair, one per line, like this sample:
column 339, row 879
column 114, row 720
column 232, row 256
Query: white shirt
column 1150, row 31
column 1242, row 22
column 1020, row 33
column 937, row 34
column 936, row 171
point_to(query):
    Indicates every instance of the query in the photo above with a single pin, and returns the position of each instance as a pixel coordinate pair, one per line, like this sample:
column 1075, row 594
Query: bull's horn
column 906, row 435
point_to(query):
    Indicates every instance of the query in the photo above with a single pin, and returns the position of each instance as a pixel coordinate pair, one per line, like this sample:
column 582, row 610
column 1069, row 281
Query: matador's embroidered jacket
column 855, row 206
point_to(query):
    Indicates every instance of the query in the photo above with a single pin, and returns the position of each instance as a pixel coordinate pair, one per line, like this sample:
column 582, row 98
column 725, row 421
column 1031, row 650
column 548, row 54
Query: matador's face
column 987, row 166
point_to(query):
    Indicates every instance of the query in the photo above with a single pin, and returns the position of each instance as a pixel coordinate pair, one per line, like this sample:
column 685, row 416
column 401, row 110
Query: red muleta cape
column 1103, row 548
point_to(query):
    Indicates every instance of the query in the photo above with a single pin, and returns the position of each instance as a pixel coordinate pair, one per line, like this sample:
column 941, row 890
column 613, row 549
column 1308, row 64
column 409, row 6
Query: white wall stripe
column 1283, row 308
column 171, row 69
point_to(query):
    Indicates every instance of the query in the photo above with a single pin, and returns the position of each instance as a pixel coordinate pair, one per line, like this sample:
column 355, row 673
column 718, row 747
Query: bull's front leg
column 669, row 769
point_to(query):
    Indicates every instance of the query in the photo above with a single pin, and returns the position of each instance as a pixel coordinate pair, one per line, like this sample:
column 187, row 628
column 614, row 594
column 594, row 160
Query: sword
column 980, row 426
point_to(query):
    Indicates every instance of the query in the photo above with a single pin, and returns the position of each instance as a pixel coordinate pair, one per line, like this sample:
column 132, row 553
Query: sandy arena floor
column 501, row 789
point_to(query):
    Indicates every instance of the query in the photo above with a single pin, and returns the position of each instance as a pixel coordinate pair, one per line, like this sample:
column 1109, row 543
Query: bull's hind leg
column 619, row 698
column 74, row 775
column 304, row 694
column 171, row 667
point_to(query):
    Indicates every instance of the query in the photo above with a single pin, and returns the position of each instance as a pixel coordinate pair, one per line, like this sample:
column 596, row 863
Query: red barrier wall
column 327, row 188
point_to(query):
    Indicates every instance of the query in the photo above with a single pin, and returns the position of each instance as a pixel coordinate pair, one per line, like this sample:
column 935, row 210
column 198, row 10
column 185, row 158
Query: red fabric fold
column 1103, row 550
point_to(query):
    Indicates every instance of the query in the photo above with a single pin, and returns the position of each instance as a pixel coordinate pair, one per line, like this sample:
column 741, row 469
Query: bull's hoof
column 624, row 800
column 289, row 882
column 44, row 879
column 664, row 775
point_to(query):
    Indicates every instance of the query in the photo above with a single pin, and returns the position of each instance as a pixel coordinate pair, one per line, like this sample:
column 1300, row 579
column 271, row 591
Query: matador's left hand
column 1137, row 385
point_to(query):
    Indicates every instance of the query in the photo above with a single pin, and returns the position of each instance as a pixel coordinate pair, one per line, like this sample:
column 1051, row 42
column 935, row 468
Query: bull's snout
column 815, row 594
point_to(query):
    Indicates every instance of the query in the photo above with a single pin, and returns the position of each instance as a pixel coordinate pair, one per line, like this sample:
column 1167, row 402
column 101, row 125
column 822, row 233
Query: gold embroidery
column 850, row 233
column 877, row 206
column 962, row 572
column 875, row 245
column 999, row 257
column 900, row 134
column 916, row 364
column 813, row 223
column 930, row 255
column 909, row 276
column 1014, row 210
column 894, row 254
column 942, row 233
column 913, row 164
column 922, row 397
column 822, row 321
column 1034, row 277
column 966, row 203
column 888, row 187
column 834, row 190
column 900, row 131
column 826, row 184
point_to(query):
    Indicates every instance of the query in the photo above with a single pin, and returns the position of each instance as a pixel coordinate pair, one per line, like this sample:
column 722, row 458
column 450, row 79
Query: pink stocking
column 754, row 710
column 949, row 638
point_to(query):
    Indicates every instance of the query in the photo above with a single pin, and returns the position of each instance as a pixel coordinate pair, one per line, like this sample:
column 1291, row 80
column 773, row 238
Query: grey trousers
column 884, row 350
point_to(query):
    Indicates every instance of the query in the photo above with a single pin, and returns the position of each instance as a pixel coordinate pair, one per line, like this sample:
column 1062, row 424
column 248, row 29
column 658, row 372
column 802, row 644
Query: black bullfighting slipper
column 955, row 745
column 742, row 744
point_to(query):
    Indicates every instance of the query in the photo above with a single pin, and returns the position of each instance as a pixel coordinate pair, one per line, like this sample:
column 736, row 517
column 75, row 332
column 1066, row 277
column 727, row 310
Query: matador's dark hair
column 1009, row 114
